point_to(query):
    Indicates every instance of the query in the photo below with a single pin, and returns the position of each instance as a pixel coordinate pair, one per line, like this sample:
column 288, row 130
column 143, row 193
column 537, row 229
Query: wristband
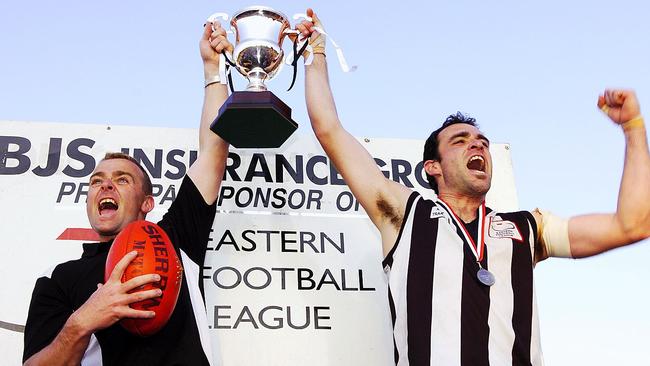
column 636, row 122
column 212, row 80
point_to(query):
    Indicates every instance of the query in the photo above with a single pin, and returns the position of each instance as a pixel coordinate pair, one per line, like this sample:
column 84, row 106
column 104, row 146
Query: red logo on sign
column 79, row 234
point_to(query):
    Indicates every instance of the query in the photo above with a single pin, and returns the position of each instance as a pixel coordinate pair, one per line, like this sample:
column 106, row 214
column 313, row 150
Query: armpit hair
column 389, row 212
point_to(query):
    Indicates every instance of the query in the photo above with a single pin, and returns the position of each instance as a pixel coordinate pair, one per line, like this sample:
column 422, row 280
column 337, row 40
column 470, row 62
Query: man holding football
column 73, row 313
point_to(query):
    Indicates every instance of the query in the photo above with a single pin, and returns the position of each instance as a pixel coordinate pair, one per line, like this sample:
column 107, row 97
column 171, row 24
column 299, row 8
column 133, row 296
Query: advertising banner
column 293, row 270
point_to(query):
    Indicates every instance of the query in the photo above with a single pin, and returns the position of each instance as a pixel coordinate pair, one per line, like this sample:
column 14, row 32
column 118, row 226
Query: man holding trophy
column 73, row 316
column 461, row 275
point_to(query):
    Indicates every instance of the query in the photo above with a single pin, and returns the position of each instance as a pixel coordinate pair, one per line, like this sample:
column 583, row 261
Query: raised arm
column 593, row 234
column 207, row 171
column 383, row 199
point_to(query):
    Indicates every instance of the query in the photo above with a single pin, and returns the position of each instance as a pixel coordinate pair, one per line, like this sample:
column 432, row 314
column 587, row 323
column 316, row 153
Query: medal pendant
column 485, row 277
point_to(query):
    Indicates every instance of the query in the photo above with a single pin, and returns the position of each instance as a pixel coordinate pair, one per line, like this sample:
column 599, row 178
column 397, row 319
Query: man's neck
column 463, row 206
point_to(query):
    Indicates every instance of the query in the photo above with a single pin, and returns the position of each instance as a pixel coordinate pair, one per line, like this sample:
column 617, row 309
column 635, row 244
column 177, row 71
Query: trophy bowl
column 258, row 50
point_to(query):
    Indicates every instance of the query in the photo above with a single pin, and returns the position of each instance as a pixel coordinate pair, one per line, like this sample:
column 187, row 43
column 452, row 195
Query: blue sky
column 529, row 72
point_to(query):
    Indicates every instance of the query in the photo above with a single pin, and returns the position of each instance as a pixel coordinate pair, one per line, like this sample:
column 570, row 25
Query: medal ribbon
column 477, row 250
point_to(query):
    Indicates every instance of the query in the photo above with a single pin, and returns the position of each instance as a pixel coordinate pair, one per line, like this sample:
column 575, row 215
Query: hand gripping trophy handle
column 256, row 118
column 224, row 56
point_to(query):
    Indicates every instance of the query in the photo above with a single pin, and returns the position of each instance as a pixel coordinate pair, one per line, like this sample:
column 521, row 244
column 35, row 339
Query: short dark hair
column 431, row 145
column 148, row 187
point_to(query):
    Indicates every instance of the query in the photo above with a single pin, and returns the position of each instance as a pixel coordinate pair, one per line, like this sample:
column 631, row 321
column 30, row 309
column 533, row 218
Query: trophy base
column 254, row 120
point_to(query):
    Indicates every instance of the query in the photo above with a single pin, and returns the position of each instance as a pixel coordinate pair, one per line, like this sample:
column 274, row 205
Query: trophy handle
column 308, row 60
column 299, row 47
column 216, row 16
column 302, row 44
column 339, row 52
column 225, row 56
column 299, row 16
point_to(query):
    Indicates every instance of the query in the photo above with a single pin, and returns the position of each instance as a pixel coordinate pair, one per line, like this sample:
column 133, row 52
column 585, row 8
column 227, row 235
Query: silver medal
column 485, row 277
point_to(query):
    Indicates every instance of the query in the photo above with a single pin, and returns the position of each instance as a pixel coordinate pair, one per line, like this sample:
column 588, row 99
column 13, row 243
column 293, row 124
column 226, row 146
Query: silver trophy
column 258, row 53
column 256, row 118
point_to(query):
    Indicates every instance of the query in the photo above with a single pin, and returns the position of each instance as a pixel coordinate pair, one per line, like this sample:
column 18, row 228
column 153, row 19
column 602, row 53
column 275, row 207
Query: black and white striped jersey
column 442, row 314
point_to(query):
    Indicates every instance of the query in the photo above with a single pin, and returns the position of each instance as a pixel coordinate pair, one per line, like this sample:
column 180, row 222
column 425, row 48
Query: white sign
column 293, row 271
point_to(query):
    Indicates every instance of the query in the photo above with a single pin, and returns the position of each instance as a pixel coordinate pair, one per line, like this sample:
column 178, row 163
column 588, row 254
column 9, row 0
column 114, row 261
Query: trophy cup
column 256, row 118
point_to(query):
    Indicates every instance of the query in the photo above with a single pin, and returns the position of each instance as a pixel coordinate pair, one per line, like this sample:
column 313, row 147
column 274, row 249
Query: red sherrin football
column 156, row 254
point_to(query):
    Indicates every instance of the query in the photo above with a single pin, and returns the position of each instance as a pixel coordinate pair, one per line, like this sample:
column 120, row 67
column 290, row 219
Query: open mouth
column 476, row 163
column 107, row 205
